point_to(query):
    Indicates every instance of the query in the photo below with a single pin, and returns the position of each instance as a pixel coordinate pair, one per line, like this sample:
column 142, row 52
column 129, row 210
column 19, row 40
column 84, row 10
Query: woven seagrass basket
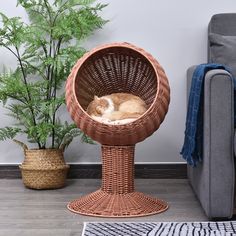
column 44, row 169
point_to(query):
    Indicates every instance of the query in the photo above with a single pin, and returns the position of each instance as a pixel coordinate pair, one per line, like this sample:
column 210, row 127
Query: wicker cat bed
column 112, row 68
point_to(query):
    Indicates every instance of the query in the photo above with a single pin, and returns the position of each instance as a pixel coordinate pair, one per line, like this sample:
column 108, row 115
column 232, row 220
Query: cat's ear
column 96, row 97
column 99, row 110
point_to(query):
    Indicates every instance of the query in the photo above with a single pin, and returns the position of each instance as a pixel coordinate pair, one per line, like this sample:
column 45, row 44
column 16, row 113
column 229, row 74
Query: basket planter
column 44, row 169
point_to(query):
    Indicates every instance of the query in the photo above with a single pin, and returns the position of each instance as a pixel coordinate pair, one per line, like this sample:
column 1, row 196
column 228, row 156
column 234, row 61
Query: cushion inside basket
column 116, row 122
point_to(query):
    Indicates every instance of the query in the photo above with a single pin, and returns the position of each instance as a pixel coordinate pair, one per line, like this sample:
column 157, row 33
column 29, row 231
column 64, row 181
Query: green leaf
column 86, row 139
column 26, row 3
column 13, row 31
column 43, row 131
column 8, row 133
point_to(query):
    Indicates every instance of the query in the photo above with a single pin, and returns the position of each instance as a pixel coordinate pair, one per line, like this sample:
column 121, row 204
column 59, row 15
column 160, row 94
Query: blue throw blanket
column 193, row 141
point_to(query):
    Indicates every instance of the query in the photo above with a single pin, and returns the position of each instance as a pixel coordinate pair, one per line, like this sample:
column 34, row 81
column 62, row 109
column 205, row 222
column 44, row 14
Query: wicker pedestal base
column 117, row 197
column 102, row 204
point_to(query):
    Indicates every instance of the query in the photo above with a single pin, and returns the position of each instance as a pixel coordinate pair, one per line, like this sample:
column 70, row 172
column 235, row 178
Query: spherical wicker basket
column 112, row 68
column 44, row 169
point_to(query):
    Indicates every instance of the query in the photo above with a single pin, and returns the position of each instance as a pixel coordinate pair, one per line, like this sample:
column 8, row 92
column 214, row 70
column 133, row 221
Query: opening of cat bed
column 114, row 68
column 103, row 73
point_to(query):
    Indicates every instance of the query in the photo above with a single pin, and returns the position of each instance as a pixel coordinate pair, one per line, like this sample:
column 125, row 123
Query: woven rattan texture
column 118, row 169
column 117, row 197
column 44, row 169
column 103, row 204
column 118, row 67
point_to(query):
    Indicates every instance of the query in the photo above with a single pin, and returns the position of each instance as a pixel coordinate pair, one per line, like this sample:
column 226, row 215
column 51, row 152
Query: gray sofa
column 213, row 179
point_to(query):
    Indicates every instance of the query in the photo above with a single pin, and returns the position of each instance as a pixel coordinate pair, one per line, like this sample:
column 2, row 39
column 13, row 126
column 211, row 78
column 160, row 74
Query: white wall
column 175, row 33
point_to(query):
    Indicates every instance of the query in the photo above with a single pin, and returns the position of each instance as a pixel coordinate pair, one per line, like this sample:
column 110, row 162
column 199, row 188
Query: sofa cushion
column 223, row 50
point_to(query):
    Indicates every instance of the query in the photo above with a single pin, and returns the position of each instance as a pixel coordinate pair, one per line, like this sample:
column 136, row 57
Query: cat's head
column 98, row 106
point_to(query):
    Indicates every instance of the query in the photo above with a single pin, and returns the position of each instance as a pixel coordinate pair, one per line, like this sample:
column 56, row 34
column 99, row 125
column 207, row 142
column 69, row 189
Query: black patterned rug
column 226, row 228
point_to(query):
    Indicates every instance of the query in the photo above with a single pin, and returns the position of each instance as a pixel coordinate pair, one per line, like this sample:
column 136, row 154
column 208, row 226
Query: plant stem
column 50, row 49
column 57, row 51
column 16, row 98
column 24, row 78
column 28, row 92
column 11, row 51
column 49, row 69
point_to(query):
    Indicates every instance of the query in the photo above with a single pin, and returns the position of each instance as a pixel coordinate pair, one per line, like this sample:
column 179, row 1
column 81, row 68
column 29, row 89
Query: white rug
column 227, row 228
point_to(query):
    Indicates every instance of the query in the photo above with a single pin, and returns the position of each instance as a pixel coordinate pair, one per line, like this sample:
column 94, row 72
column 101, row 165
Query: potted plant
column 45, row 49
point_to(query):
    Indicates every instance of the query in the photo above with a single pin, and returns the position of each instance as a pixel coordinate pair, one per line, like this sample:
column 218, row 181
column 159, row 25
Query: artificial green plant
column 45, row 49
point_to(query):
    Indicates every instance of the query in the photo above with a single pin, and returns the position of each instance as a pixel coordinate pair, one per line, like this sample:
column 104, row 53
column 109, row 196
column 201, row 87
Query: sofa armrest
column 213, row 179
column 218, row 138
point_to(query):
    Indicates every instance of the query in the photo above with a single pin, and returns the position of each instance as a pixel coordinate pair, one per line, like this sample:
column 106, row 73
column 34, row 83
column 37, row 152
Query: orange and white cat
column 117, row 106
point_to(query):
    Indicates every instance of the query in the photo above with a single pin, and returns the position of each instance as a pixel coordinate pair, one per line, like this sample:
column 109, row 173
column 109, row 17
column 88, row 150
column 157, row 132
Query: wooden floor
column 25, row 212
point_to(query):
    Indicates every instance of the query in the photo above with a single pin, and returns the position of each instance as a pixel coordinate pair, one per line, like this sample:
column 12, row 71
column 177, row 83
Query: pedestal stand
column 117, row 197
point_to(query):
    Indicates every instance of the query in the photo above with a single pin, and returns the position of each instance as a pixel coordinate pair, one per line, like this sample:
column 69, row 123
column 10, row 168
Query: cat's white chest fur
column 110, row 107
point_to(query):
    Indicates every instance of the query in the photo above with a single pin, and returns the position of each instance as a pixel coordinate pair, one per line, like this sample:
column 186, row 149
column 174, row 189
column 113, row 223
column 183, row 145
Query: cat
column 117, row 106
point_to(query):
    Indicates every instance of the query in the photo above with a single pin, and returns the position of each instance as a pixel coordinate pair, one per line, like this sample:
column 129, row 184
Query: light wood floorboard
column 25, row 212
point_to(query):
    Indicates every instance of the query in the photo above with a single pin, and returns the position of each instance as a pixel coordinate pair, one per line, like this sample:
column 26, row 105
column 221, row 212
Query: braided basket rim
column 23, row 167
